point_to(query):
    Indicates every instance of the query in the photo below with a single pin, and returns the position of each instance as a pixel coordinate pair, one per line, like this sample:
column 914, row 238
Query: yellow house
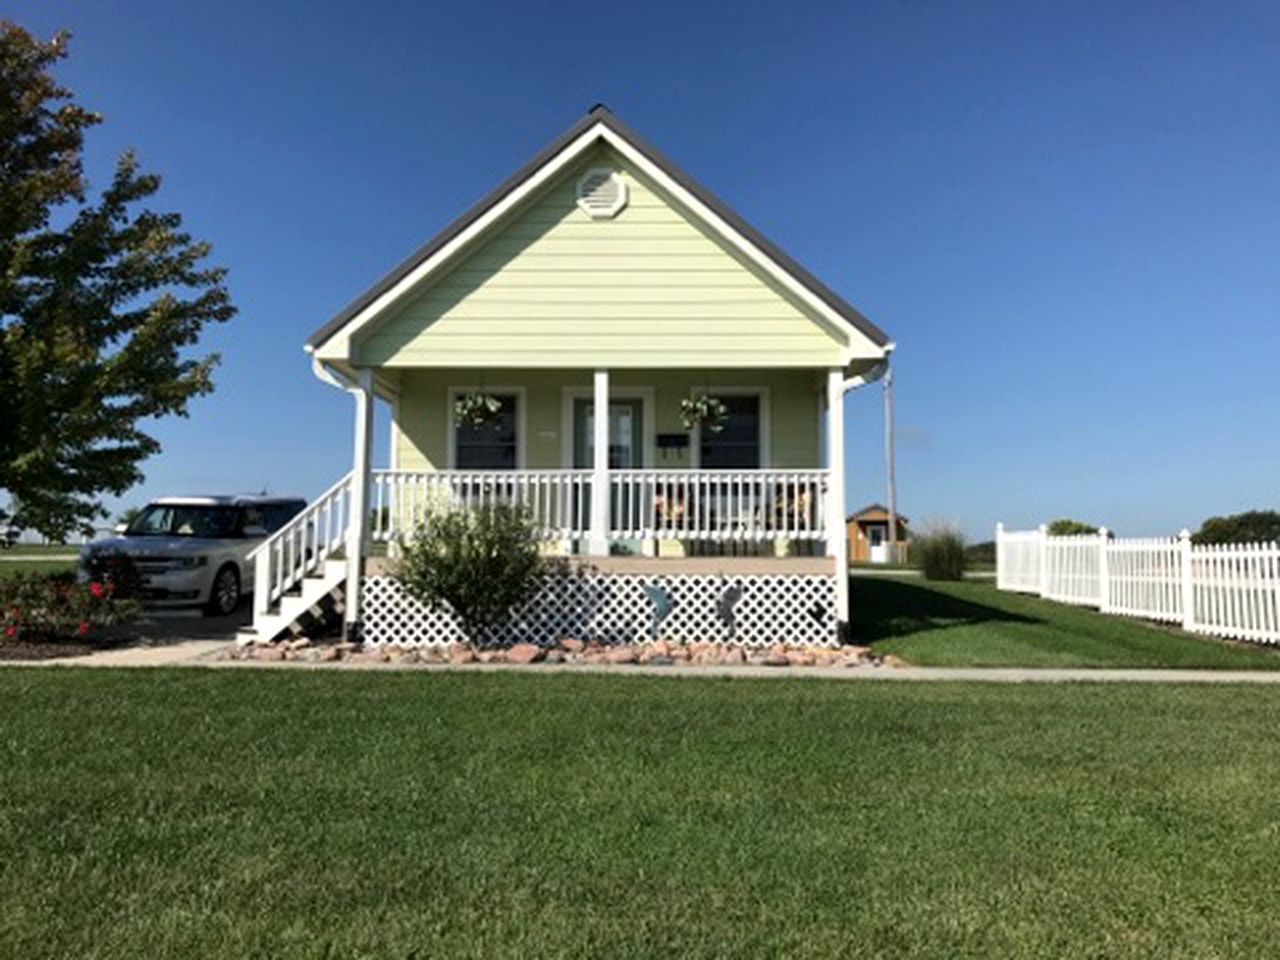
column 543, row 350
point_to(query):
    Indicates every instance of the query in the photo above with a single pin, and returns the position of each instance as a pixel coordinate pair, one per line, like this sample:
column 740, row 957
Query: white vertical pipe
column 358, row 521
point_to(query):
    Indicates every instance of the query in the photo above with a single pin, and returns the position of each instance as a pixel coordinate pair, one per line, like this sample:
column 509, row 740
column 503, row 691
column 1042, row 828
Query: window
column 277, row 515
column 492, row 446
column 182, row 520
column 737, row 446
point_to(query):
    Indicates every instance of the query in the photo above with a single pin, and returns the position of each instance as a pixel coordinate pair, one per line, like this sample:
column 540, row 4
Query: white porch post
column 837, row 537
column 358, row 519
column 598, row 543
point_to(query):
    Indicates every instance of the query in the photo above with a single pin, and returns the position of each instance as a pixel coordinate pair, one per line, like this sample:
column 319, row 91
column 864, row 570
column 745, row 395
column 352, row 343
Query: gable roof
column 874, row 508
column 599, row 115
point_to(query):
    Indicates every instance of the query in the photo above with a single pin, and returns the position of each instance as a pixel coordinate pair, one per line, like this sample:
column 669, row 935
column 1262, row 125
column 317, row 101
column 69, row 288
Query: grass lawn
column 41, row 550
column 270, row 814
column 33, row 565
column 971, row 624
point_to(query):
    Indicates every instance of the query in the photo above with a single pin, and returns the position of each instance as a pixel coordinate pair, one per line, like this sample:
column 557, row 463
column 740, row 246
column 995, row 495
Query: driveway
column 158, row 628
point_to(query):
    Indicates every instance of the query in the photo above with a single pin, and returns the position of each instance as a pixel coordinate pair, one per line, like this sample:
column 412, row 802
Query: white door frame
column 648, row 434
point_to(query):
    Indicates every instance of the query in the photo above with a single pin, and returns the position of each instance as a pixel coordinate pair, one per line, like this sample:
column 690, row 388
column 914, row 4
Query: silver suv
column 193, row 551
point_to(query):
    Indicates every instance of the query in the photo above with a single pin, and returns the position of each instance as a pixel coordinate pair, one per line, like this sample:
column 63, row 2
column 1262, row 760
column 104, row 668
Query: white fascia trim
column 338, row 345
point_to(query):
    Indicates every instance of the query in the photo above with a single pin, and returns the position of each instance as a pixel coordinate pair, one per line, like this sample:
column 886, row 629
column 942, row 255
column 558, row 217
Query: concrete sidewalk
column 207, row 654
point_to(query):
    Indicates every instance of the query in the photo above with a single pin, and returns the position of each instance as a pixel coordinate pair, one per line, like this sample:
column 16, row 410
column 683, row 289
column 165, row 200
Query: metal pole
column 891, row 465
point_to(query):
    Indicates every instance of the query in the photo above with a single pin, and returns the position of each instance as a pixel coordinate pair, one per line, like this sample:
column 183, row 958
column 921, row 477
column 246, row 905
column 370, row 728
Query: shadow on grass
column 881, row 607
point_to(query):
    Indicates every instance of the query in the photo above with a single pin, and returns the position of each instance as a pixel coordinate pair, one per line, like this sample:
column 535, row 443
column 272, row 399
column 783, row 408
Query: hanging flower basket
column 705, row 411
column 477, row 409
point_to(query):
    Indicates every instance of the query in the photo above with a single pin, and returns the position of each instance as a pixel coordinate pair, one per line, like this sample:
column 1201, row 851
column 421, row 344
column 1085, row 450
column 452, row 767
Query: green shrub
column 1070, row 528
column 481, row 564
column 1253, row 526
column 45, row 607
column 940, row 553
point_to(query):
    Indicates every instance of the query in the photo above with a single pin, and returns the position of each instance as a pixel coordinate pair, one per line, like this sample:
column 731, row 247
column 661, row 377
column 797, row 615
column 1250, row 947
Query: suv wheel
column 225, row 595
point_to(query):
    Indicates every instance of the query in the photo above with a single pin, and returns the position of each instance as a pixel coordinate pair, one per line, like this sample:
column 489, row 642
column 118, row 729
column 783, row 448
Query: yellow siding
column 420, row 427
column 554, row 287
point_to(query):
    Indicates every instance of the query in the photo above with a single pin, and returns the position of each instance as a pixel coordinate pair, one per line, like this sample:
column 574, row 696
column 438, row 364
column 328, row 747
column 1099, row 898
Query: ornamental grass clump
column 482, row 564
column 940, row 552
column 49, row 608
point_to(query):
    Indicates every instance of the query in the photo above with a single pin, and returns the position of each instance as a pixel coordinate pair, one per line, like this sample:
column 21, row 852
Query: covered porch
column 605, row 464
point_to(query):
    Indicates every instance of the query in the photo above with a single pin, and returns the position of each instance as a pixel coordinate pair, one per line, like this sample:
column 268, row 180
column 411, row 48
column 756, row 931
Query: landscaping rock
column 572, row 645
column 329, row 654
column 554, row 656
column 680, row 654
column 525, row 653
column 621, row 655
column 889, row 660
column 660, row 661
column 459, row 654
column 775, row 658
column 270, row 653
column 801, row 658
column 301, row 643
column 733, row 657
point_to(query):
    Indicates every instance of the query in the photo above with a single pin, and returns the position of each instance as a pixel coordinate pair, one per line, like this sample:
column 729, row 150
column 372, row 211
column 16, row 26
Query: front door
column 626, row 432
column 879, row 548
column 626, row 447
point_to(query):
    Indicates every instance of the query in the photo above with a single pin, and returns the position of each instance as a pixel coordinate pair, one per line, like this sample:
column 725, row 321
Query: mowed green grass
column 9, row 568
column 972, row 624
column 290, row 814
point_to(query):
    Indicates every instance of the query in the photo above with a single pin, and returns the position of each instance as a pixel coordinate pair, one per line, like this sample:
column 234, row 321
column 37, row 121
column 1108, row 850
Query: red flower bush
column 50, row 607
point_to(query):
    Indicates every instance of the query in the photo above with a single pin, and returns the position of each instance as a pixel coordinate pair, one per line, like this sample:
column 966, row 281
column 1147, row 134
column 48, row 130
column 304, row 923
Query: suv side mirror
column 255, row 530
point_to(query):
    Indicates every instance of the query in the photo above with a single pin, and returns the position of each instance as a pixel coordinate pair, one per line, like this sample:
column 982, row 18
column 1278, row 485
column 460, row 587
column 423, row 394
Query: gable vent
column 602, row 193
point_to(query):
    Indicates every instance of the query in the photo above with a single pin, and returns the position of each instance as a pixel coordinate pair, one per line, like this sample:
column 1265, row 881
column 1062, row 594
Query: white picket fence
column 1229, row 590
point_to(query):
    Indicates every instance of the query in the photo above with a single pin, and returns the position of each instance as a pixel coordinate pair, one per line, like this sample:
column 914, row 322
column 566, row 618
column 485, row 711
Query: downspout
column 361, row 391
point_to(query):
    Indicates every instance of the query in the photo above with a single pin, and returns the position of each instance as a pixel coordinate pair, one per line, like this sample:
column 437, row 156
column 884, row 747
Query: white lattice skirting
column 749, row 610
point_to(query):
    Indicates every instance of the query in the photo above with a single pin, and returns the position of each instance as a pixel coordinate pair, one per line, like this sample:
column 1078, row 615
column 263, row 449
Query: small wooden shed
column 868, row 532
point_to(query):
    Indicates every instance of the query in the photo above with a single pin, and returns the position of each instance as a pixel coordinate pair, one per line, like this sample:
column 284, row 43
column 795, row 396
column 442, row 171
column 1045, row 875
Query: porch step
column 310, row 608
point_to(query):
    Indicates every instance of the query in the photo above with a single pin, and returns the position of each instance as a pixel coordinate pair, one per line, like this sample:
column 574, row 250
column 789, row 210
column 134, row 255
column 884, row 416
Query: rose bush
column 41, row 607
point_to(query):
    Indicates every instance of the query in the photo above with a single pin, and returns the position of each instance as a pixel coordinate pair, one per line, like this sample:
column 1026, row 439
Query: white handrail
column 301, row 546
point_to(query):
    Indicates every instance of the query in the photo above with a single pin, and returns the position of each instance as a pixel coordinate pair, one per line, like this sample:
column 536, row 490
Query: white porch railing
column 1230, row 590
column 718, row 504
column 643, row 504
column 301, row 546
column 559, row 501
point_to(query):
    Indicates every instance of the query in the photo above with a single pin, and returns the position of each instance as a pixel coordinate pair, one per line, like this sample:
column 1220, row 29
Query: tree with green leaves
column 1252, row 526
column 101, row 303
column 1070, row 528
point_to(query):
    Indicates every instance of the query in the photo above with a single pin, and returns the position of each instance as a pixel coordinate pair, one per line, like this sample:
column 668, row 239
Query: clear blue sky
column 1066, row 215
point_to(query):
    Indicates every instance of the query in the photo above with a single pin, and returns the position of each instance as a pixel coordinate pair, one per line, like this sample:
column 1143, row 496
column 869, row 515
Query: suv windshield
column 167, row 520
